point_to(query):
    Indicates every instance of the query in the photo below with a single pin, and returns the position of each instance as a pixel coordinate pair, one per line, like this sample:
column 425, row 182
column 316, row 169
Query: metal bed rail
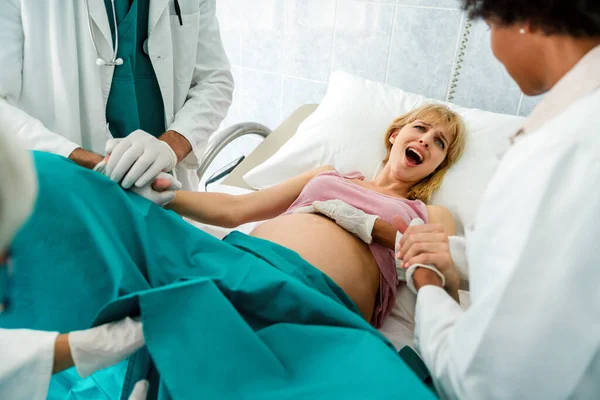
column 222, row 138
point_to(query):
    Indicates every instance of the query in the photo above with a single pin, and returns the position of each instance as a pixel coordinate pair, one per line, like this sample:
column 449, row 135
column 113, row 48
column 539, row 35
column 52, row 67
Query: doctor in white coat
column 29, row 357
column 151, row 76
column 533, row 329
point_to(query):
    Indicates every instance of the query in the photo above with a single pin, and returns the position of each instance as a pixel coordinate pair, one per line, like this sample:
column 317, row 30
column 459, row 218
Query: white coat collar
column 582, row 79
column 157, row 9
column 99, row 16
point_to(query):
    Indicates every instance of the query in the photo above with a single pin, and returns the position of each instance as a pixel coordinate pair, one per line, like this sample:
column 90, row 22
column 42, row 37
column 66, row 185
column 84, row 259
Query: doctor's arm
column 28, row 129
column 210, row 93
column 519, row 339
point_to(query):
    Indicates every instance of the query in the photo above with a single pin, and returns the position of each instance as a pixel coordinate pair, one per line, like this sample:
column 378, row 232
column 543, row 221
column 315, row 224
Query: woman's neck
column 562, row 54
column 385, row 181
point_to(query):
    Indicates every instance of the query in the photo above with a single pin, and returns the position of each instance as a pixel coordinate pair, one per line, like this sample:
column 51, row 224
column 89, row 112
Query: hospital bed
column 272, row 141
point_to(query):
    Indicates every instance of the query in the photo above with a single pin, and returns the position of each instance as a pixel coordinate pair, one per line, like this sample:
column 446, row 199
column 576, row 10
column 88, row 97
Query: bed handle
column 222, row 138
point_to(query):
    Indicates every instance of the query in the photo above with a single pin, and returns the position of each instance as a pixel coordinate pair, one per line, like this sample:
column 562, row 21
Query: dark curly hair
column 580, row 18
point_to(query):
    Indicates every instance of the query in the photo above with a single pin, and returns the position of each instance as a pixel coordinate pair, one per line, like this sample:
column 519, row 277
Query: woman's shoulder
column 442, row 216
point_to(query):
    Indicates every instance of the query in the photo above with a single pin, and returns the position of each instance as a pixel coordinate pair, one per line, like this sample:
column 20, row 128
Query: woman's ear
column 393, row 135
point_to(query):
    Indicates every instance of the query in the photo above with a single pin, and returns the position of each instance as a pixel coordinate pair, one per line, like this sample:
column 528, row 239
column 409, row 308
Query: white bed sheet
column 398, row 327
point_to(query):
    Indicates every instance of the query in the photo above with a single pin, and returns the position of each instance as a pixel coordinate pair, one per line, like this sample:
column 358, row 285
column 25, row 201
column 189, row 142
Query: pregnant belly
column 343, row 257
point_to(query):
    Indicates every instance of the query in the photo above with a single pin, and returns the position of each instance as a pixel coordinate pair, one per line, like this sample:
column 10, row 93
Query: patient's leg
column 89, row 241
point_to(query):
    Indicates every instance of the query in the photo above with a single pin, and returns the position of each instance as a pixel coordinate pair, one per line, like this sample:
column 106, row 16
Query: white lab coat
column 27, row 359
column 53, row 95
column 533, row 329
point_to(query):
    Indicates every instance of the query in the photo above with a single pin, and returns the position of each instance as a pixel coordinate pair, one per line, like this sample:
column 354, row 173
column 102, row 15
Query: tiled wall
column 283, row 52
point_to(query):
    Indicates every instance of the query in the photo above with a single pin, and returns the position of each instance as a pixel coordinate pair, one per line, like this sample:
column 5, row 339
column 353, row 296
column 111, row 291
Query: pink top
column 332, row 185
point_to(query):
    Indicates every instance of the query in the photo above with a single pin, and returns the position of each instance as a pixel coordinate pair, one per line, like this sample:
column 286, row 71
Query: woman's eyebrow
column 429, row 126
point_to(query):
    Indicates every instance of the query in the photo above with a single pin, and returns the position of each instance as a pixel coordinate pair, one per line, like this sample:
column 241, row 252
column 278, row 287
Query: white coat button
column 145, row 47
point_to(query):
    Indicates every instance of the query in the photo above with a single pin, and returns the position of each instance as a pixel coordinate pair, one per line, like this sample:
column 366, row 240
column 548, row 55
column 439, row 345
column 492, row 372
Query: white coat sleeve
column 211, row 91
column 27, row 359
column 535, row 331
column 458, row 252
column 33, row 134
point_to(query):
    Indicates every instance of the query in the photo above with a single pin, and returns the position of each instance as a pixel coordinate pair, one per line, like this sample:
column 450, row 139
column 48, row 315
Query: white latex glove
column 138, row 159
column 348, row 217
column 147, row 191
column 105, row 345
column 140, row 390
column 159, row 198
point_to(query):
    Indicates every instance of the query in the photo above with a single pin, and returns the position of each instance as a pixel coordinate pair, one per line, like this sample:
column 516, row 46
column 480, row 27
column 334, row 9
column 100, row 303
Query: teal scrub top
column 135, row 100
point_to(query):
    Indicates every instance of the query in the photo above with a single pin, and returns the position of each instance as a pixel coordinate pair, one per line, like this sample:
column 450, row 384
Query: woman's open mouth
column 413, row 156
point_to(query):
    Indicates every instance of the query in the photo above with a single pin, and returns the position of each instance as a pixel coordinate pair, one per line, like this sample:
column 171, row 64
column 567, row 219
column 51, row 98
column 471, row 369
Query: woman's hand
column 427, row 244
column 348, row 217
column 161, row 191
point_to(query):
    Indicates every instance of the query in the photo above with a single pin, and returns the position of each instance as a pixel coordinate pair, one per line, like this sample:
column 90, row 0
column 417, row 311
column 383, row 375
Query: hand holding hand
column 138, row 159
column 161, row 191
column 427, row 245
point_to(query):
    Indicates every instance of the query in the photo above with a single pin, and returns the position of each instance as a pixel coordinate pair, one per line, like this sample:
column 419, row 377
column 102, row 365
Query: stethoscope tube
column 100, row 61
column 114, row 60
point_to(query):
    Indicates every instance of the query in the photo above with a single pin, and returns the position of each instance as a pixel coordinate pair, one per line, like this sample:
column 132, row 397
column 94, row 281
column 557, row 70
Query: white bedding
column 399, row 325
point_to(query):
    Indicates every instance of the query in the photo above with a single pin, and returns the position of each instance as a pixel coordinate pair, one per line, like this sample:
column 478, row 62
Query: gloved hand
column 348, row 217
column 105, row 345
column 160, row 198
column 138, row 159
column 140, row 390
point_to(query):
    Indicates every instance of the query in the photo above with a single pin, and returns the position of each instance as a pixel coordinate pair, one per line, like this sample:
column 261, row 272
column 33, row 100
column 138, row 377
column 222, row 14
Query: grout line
column 240, row 33
column 455, row 59
column 428, row 7
column 389, row 3
column 389, row 58
column 520, row 104
column 335, row 14
column 283, row 60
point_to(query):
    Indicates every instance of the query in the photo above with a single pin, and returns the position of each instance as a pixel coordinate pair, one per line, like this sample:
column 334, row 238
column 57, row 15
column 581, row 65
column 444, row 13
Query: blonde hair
column 444, row 118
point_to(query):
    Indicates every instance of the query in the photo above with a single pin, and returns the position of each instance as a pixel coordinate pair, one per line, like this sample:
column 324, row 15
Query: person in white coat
column 30, row 357
column 533, row 328
column 145, row 80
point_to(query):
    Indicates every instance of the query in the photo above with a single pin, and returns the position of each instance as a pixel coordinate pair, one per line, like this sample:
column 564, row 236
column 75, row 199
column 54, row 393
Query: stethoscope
column 101, row 61
column 114, row 60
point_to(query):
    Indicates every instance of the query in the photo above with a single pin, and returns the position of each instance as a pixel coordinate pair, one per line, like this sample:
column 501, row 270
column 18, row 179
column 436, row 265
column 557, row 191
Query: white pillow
column 347, row 132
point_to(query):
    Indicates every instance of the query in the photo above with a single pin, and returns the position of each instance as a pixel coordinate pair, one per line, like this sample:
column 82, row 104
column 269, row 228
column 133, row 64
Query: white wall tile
column 528, row 103
column 262, row 34
column 483, row 81
column 297, row 92
column 375, row 1
column 309, row 38
column 362, row 38
column 456, row 4
column 234, row 115
column 260, row 98
column 284, row 50
column 422, row 53
column 230, row 23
